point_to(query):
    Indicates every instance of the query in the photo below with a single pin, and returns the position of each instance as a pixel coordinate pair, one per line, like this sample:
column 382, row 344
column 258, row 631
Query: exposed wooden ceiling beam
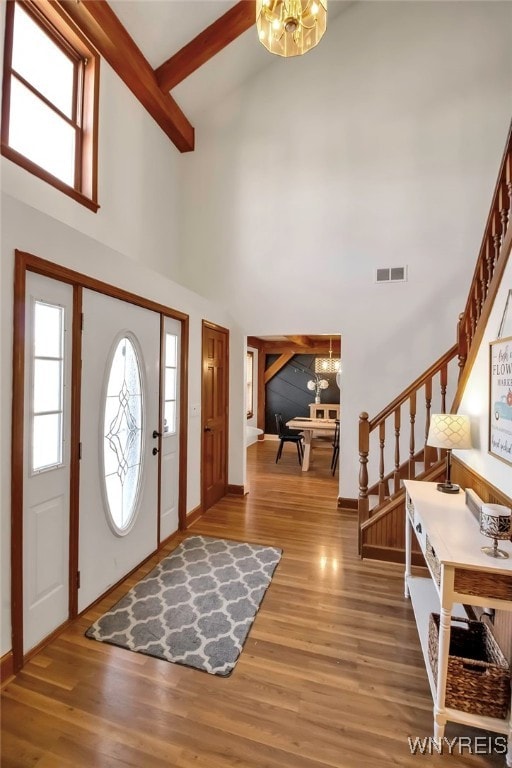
column 101, row 26
column 210, row 41
column 276, row 366
column 253, row 341
column 314, row 348
column 304, row 341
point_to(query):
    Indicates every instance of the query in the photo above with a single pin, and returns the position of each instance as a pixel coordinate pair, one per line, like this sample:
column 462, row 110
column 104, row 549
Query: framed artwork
column 500, row 399
column 506, row 320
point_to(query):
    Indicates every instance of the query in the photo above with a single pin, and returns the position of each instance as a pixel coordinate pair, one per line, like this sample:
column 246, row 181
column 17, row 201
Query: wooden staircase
column 392, row 445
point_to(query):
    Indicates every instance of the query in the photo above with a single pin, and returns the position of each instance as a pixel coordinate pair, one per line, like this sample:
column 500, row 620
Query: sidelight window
column 170, row 383
column 47, row 386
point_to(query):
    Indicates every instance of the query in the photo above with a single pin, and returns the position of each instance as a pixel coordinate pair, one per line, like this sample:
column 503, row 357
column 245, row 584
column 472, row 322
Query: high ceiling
column 161, row 28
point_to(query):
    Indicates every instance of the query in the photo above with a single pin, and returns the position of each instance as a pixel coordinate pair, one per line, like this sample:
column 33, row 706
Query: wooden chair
column 335, row 446
column 288, row 436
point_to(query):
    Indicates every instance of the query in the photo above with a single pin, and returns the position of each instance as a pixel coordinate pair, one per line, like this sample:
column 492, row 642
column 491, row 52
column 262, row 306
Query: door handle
column 208, row 429
column 156, row 434
column 155, row 451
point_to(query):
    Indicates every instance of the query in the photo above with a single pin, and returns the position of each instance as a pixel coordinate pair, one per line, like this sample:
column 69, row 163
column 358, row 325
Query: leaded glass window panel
column 170, row 380
column 122, row 441
column 47, row 386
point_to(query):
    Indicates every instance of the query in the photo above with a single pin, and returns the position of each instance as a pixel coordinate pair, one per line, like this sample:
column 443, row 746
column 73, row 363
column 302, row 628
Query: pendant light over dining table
column 328, row 364
column 290, row 27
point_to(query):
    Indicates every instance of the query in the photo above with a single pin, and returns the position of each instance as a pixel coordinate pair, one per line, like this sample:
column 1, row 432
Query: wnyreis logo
column 460, row 745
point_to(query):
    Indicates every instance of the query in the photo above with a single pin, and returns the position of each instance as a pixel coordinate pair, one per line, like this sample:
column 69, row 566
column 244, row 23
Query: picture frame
column 505, row 328
column 500, row 399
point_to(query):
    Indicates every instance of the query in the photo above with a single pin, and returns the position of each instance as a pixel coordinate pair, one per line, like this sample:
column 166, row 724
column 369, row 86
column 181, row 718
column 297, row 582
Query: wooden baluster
column 397, row 450
column 412, row 419
column 472, row 319
column 468, row 334
column 382, row 442
column 462, row 342
column 496, row 236
column 364, row 449
column 482, row 283
column 443, row 375
column 428, row 402
column 508, row 190
column 503, row 205
column 476, row 309
column 489, row 258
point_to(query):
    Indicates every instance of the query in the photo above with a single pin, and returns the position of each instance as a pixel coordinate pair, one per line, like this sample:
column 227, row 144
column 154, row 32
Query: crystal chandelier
column 290, row 27
column 327, row 364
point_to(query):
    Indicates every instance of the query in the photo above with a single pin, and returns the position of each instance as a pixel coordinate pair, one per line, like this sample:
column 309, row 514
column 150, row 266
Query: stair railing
column 408, row 451
column 492, row 253
column 492, row 258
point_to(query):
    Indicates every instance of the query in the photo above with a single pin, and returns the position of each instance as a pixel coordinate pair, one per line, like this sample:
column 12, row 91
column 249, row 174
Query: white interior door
column 169, row 482
column 46, row 471
column 118, row 469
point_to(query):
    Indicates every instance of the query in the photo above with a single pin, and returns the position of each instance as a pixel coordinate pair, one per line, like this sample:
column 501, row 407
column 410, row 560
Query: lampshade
column 327, row 365
column 290, row 27
column 450, row 431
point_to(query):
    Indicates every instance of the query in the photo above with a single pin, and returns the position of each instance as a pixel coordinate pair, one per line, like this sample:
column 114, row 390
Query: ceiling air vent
column 391, row 275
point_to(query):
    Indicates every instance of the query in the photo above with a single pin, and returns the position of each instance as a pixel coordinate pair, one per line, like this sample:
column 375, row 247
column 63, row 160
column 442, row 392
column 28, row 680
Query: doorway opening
column 296, row 382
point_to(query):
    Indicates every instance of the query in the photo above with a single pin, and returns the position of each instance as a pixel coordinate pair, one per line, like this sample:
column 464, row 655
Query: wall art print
column 500, row 405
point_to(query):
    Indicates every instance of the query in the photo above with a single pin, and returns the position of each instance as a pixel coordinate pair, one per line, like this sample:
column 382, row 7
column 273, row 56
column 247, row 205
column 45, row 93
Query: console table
column 450, row 540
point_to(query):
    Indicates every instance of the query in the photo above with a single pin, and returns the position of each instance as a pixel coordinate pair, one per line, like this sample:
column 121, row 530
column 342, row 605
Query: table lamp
column 448, row 431
column 495, row 522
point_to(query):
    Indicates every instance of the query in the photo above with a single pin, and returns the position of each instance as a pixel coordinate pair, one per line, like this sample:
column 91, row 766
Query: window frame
column 249, row 411
column 54, row 22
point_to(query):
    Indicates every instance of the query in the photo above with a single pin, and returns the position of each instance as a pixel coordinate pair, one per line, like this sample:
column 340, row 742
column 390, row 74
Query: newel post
column 364, row 448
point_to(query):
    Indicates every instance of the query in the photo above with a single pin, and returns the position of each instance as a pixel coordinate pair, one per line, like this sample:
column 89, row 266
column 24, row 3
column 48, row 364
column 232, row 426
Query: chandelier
column 290, row 27
column 327, row 364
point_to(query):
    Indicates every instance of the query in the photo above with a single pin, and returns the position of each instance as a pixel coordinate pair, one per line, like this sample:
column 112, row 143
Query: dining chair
column 335, row 446
column 288, row 436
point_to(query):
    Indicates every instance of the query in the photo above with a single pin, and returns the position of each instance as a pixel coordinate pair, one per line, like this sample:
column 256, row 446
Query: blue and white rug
column 196, row 607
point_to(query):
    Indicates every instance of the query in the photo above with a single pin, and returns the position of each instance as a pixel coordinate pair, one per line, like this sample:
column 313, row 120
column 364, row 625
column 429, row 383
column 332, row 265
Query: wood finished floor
column 331, row 674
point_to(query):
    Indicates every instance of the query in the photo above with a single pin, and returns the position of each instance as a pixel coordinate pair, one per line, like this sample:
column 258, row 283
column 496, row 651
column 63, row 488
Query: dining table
column 308, row 427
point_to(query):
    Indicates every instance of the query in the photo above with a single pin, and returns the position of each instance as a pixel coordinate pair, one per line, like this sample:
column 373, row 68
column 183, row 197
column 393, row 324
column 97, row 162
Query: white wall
column 379, row 148
column 475, row 401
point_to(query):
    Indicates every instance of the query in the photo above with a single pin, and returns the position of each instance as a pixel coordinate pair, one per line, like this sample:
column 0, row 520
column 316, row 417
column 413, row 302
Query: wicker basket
column 478, row 678
column 433, row 562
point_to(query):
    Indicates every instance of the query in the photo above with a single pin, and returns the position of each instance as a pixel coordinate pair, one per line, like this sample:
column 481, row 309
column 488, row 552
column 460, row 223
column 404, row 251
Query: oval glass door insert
column 122, row 436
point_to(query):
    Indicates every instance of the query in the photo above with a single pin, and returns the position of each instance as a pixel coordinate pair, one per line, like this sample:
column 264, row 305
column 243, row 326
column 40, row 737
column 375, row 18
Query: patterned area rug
column 196, row 607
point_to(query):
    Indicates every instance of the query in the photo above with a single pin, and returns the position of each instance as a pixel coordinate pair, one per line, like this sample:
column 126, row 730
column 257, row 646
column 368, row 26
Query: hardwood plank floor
column 331, row 674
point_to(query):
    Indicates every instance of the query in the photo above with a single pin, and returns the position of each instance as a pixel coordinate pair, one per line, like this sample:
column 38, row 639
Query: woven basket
column 478, row 678
column 433, row 562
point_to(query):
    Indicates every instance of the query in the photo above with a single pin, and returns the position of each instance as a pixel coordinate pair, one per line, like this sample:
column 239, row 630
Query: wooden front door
column 214, row 413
